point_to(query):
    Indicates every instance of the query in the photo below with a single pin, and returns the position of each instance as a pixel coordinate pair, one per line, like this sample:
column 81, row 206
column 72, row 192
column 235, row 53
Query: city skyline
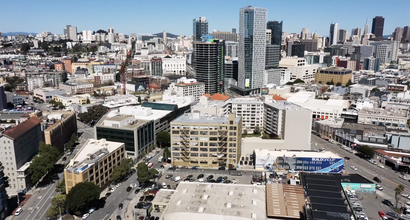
column 154, row 19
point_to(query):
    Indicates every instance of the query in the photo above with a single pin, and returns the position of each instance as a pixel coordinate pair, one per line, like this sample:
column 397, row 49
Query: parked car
column 388, row 203
column 377, row 179
column 91, row 210
column 120, row 206
column 381, row 214
column 107, row 194
column 137, row 191
column 353, row 168
column 392, row 214
column 219, row 179
column 378, row 187
column 129, row 188
column 403, row 177
column 194, row 168
column 18, row 211
column 200, row 176
column 178, row 178
column 118, row 217
column 209, row 177
column 347, row 158
column 221, row 168
column 85, row 216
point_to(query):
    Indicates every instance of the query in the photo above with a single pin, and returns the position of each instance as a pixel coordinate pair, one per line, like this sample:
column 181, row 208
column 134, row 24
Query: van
column 160, row 159
column 178, row 178
column 18, row 211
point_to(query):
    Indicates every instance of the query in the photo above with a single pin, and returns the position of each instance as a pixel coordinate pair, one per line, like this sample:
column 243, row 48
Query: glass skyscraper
column 377, row 27
column 252, row 47
column 200, row 27
column 276, row 28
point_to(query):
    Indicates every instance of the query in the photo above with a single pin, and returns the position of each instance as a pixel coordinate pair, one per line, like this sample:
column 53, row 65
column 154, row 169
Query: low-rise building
column 299, row 69
column 70, row 100
column 94, row 163
column 391, row 118
column 251, row 111
column 217, row 201
column 206, row 141
column 396, row 88
column 353, row 135
column 60, row 127
column 174, row 65
column 187, row 87
column 78, row 87
column 333, row 74
column 47, row 93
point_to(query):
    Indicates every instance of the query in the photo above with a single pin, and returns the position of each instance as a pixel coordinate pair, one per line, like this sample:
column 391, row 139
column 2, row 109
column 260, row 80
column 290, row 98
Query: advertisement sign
column 265, row 91
column 405, row 159
column 247, row 83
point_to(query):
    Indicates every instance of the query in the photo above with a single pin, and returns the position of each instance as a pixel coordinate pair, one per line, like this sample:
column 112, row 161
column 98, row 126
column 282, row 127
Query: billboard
column 405, row 159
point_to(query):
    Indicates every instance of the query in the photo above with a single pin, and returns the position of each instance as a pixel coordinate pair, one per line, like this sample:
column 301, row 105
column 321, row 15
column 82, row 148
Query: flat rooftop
column 204, row 201
column 137, row 113
column 246, row 101
column 93, row 150
column 283, row 105
column 196, row 118
column 163, row 196
column 284, row 201
column 129, row 126
column 383, row 112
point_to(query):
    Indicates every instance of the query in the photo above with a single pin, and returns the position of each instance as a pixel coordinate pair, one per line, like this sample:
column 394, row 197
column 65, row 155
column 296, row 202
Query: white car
column 85, row 216
column 381, row 166
column 353, row 168
column 379, row 187
column 118, row 185
column 18, row 211
column 356, row 204
column 405, row 195
column 403, row 177
column 91, row 210
column 201, row 180
column 133, row 185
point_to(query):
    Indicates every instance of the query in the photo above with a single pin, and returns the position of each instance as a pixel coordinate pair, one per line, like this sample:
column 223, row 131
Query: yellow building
column 94, row 163
column 337, row 74
column 206, row 141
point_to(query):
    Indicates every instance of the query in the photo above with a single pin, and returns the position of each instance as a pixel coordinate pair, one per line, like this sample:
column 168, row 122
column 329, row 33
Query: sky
column 154, row 16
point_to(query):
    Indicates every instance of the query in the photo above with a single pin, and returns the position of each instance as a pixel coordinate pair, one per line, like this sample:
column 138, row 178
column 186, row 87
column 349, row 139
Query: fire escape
column 184, row 145
column 222, row 147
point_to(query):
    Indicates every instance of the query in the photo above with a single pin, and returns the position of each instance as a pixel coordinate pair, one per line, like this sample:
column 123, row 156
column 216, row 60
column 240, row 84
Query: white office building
column 391, row 118
column 175, row 65
column 298, row 68
column 87, row 37
column 186, row 87
column 251, row 111
column 252, row 47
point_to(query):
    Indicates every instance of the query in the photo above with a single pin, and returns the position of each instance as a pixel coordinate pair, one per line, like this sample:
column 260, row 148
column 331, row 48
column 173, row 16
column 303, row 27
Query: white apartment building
column 391, row 118
column 187, row 87
column 174, row 65
column 100, row 78
column 105, row 68
column 251, row 111
column 47, row 93
column 34, row 81
column 77, row 87
column 18, row 147
column 299, row 69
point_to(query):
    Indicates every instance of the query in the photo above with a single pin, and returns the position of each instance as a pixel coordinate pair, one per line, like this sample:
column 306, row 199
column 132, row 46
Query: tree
column 375, row 89
column 397, row 193
column 60, row 187
column 167, row 153
column 257, row 130
column 265, row 136
column 81, row 197
column 44, row 46
column 367, row 151
column 145, row 174
column 349, row 83
column 330, row 83
column 44, row 161
column 338, row 84
column 245, row 132
column 93, row 114
column 121, row 171
column 57, row 206
column 5, row 178
column 163, row 138
column 298, row 81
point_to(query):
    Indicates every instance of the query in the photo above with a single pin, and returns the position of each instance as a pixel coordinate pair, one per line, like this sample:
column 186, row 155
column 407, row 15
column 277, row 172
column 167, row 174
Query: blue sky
column 153, row 16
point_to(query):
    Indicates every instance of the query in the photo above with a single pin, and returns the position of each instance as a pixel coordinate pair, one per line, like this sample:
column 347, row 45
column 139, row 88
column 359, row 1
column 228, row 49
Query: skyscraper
column 304, row 34
column 366, row 27
column 406, row 34
column 164, row 37
column 342, row 36
column 200, row 28
column 209, row 60
column 377, row 27
column 276, row 31
column 357, row 32
column 334, row 29
column 398, row 34
column 71, row 33
column 252, row 47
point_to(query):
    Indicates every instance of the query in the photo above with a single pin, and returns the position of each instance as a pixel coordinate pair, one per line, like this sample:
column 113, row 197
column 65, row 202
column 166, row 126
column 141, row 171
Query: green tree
column 121, row 171
column 60, row 187
column 367, row 151
column 265, row 136
column 298, row 81
column 57, row 206
column 257, row 130
column 44, row 46
column 338, row 84
column 145, row 174
column 167, row 153
column 93, row 114
column 52, row 102
column 397, row 193
column 43, row 162
column 163, row 138
column 330, row 83
column 375, row 89
column 82, row 197
column 349, row 83
column 5, row 178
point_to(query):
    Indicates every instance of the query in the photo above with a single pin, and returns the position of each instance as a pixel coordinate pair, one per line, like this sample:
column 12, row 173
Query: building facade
column 174, row 65
column 204, row 142
column 19, row 146
column 187, row 87
column 333, row 74
column 200, row 26
column 94, row 163
column 333, row 35
column 378, row 26
column 252, row 47
column 59, row 133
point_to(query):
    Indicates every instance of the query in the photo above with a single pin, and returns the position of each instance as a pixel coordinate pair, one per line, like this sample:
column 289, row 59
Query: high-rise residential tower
column 164, row 37
column 200, row 28
column 71, row 33
column 276, row 31
column 342, row 36
column 333, row 35
column 252, row 47
column 406, row 34
column 377, row 27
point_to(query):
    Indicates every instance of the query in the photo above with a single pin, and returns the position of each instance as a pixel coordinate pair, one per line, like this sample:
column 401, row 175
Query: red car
column 382, row 214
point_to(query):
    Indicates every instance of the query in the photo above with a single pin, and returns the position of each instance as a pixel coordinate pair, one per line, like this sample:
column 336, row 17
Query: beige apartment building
column 94, row 163
column 206, row 141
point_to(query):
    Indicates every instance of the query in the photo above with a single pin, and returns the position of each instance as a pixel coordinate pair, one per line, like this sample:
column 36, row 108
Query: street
column 389, row 178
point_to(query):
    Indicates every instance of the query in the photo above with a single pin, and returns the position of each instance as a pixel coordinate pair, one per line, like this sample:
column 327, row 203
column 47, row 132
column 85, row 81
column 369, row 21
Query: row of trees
column 121, row 171
column 43, row 162
column 56, row 104
column 93, row 114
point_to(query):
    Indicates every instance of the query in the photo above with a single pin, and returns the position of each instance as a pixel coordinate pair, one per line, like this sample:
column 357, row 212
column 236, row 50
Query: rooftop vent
column 201, row 209
column 228, row 205
column 230, row 193
column 205, row 196
column 179, row 202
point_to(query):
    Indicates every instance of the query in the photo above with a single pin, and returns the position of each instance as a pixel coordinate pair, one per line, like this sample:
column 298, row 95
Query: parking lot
column 370, row 204
column 244, row 178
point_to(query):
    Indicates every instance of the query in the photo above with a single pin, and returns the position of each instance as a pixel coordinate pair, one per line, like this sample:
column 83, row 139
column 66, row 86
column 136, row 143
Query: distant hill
column 16, row 33
column 168, row 35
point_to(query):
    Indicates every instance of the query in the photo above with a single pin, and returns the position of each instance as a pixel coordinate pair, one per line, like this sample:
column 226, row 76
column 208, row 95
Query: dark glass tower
column 276, row 28
column 200, row 27
column 209, row 60
column 377, row 27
